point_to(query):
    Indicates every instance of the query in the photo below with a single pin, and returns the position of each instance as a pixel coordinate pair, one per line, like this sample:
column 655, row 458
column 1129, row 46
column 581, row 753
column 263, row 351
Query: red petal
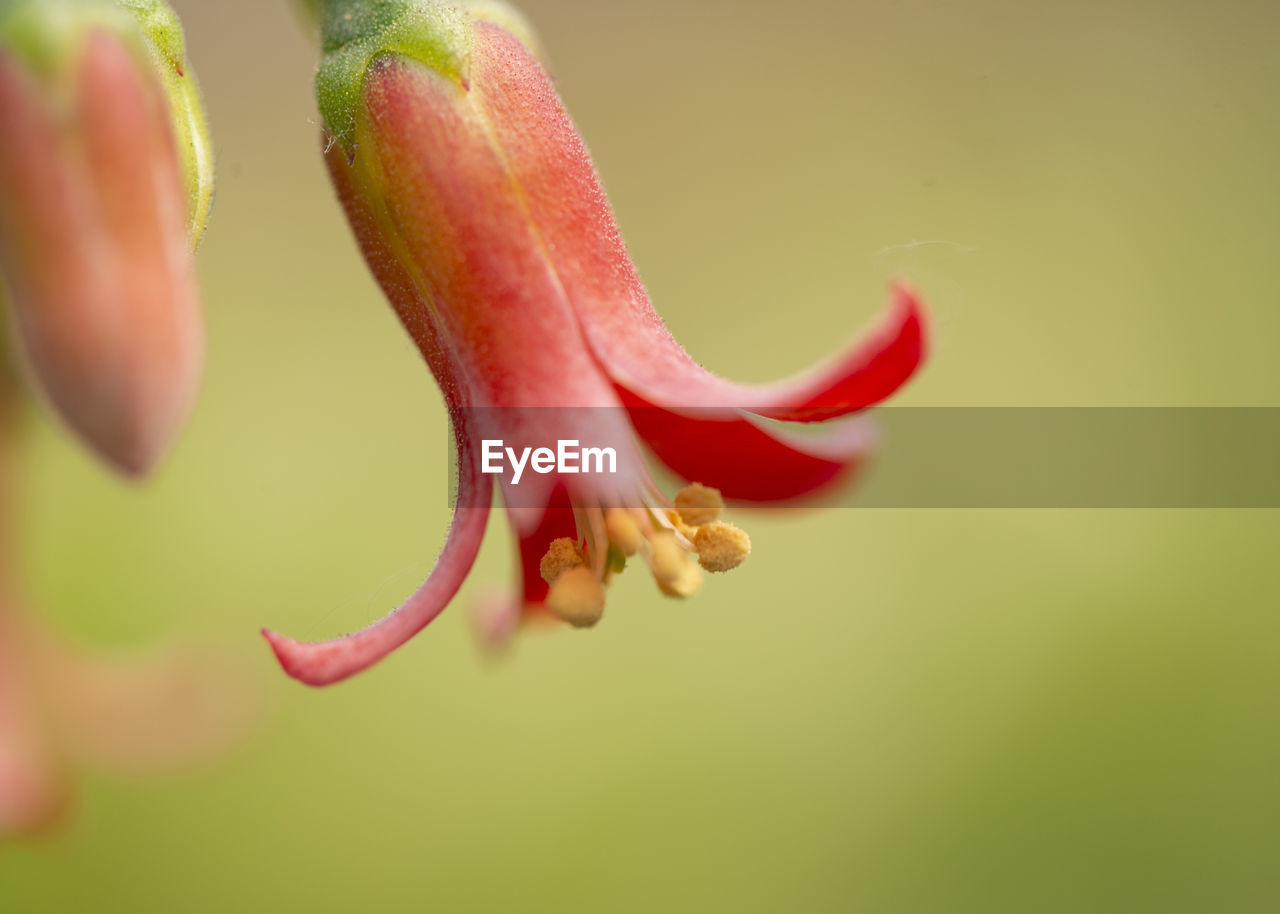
column 549, row 160
column 658, row 370
column 326, row 662
column 555, row 521
column 746, row 459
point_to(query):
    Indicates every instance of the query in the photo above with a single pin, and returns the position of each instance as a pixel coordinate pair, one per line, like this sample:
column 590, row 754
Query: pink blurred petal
column 33, row 790
column 93, row 232
column 144, row 713
column 495, row 619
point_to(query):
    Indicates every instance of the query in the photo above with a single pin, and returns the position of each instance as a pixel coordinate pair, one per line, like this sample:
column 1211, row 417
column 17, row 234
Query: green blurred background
column 915, row 711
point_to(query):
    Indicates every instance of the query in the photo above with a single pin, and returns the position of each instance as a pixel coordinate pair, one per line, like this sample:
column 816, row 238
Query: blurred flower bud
column 105, row 187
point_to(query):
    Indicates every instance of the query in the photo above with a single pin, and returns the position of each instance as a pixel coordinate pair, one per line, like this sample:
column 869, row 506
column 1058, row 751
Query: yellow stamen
column 698, row 504
column 680, row 526
column 721, row 546
column 623, row 531
column 686, row 583
column 668, row 539
column 666, row 557
column 676, row 573
column 577, row 597
column 562, row 555
column 598, row 543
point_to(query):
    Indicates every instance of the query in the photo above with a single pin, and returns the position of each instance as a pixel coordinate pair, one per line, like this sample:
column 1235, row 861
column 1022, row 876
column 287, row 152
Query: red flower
column 478, row 208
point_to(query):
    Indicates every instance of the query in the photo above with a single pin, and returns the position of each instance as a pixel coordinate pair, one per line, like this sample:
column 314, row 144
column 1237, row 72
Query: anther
column 562, row 555
column 577, row 597
column 699, row 504
column 666, row 557
column 676, row 573
column 686, row 583
column 623, row 531
column 721, row 546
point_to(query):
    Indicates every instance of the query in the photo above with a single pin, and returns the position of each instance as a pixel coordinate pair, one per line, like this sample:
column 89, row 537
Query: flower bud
column 105, row 187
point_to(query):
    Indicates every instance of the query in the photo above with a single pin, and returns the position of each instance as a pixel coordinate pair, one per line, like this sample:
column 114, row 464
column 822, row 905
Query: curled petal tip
column 865, row 373
column 326, row 662
column 321, row 663
column 273, row 639
column 294, row 659
column 911, row 318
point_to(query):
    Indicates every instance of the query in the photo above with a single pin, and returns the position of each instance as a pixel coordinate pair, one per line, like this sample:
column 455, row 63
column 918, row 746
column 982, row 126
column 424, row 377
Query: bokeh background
column 885, row 710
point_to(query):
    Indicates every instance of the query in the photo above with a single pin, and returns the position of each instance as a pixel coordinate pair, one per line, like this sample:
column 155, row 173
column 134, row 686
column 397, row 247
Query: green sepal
column 168, row 48
column 354, row 33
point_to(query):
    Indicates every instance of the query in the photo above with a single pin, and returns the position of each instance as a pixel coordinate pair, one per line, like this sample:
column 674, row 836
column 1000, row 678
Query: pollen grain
column 698, row 504
column 577, row 597
column 562, row 555
column 721, row 546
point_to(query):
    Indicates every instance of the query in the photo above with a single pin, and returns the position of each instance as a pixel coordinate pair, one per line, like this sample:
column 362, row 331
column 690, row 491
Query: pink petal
column 33, row 791
column 462, row 230
column 157, row 711
column 744, row 457
column 495, row 618
column 548, row 159
column 326, row 662
column 375, row 234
